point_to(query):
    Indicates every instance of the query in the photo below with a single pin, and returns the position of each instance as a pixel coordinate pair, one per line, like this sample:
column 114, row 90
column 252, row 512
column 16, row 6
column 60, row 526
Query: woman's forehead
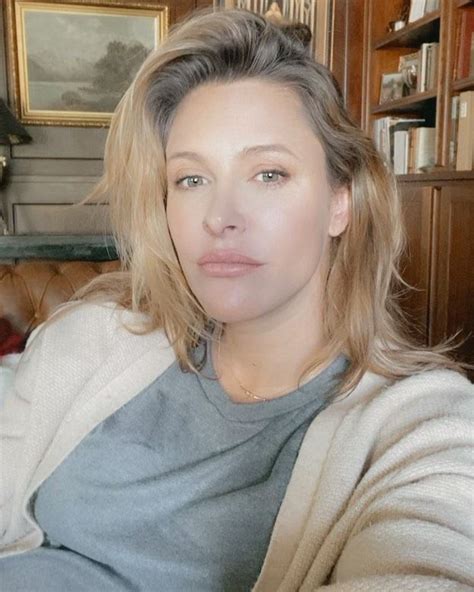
column 245, row 115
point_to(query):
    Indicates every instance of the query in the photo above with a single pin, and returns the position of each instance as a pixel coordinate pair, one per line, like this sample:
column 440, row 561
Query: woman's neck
column 265, row 357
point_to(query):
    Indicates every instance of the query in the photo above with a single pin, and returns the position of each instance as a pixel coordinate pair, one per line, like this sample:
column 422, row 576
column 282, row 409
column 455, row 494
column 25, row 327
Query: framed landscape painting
column 70, row 62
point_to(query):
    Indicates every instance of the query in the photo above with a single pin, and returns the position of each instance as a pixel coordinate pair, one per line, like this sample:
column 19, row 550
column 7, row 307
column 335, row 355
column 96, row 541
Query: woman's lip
column 227, row 257
column 232, row 269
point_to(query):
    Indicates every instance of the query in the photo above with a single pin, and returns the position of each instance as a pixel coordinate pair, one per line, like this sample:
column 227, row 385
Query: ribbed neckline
column 318, row 387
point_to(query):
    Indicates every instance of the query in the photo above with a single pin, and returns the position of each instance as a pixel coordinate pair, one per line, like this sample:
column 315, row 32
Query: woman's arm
column 409, row 525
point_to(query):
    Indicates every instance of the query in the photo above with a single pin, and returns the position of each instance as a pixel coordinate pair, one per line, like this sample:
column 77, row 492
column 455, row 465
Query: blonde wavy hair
column 362, row 317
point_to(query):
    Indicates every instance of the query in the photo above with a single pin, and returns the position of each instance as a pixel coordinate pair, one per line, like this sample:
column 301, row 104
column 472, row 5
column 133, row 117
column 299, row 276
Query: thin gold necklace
column 248, row 393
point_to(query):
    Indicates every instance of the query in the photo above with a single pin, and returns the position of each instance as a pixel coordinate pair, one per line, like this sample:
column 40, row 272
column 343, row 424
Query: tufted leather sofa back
column 30, row 290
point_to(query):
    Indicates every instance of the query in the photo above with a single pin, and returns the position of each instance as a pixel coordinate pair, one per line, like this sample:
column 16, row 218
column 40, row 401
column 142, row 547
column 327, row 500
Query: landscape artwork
column 76, row 62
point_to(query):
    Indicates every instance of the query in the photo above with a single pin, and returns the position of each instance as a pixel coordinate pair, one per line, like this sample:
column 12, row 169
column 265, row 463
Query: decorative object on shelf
column 401, row 21
column 11, row 132
column 315, row 14
column 391, row 87
column 78, row 72
column 396, row 25
column 409, row 66
column 273, row 14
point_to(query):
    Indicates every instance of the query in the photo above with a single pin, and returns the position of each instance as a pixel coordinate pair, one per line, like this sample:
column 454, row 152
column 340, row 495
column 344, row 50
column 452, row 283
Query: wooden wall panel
column 452, row 300
column 61, row 219
column 347, row 52
column 417, row 204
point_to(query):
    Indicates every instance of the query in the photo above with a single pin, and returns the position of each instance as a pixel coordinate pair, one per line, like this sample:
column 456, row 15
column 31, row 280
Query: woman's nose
column 222, row 216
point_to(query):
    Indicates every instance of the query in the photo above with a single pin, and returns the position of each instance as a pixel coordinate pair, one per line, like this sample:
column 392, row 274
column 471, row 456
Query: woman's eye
column 272, row 177
column 190, row 181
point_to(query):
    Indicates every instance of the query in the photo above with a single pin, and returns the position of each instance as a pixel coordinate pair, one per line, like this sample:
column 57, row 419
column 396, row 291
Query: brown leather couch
column 30, row 290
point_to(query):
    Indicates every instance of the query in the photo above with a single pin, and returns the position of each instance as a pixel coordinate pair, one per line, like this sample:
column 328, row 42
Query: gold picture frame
column 65, row 58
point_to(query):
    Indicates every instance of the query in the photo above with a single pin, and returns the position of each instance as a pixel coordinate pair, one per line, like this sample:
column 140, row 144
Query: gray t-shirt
column 176, row 491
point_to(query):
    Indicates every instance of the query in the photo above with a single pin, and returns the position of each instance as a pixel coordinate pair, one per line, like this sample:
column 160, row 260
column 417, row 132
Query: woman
column 239, row 409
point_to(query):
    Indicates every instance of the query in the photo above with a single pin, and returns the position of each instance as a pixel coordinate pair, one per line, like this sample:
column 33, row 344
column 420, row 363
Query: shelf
column 435, row 176
column 464, row 84
column 463, row 3
column 414, row 34
column 54, row 246
column 412, row 103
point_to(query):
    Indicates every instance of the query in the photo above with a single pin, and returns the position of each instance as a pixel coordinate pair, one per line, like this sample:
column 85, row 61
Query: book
column 463, row 43
column 465, row 143
column 471, row 62
column 427, row 66
column 417, row 10
column 431, row 6
column 432, row 66
column 424, row 149
column 411, row 151
column 453, row 131
column 400, row 158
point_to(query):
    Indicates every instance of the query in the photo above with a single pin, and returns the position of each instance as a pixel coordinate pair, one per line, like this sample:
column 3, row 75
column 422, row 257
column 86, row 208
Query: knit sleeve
column 14, row 417
column 409, row 524
column 59, row 357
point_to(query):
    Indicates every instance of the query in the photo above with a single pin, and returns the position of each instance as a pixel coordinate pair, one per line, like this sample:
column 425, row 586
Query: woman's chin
column 231, row 314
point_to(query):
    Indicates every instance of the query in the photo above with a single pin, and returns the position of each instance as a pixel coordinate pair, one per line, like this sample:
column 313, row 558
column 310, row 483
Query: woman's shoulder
column 437, row 392
column 96, row 324
column 434, row 404
column 442, row 387
column 81, row 337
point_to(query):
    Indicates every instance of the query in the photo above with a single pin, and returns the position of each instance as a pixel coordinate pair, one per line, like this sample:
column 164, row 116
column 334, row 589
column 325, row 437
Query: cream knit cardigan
column 380, row 498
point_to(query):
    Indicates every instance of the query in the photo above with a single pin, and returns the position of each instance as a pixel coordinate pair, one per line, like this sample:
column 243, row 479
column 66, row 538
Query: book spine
column 411, row 149
column 465, row 143
column 433, row 75
column 424, row 148
column 400, row 148
column 423, row 64
column 453, row 135
column 464, row 49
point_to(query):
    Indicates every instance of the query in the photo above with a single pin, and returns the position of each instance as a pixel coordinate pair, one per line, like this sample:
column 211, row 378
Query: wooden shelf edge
column 399, row 104
column 463, row 3
column 411, row 28
column 440, row 175
column 464, row 83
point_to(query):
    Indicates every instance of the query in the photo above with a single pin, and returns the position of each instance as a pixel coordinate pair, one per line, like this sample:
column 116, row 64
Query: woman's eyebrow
column 247, row 151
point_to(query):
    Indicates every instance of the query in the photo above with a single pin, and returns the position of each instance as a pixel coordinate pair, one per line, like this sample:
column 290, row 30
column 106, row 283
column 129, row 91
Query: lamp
column 11, row 132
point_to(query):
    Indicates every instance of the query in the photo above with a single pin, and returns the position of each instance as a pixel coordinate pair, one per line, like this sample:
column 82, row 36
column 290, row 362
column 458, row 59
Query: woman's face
column 249, row 207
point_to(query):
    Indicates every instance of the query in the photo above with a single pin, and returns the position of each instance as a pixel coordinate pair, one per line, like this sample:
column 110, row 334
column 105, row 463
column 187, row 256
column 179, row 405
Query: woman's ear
column 339, row 211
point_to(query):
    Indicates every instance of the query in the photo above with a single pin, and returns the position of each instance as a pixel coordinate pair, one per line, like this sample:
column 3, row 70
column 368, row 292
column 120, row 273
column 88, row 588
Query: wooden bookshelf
column 438, row 205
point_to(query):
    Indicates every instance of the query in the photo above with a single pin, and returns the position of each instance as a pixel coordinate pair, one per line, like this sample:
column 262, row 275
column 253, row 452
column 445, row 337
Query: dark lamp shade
column 11, row 130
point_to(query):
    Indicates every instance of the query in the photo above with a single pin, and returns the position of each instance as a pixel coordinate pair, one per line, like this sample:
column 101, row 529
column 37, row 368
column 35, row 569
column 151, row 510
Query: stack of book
column 407, row 146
